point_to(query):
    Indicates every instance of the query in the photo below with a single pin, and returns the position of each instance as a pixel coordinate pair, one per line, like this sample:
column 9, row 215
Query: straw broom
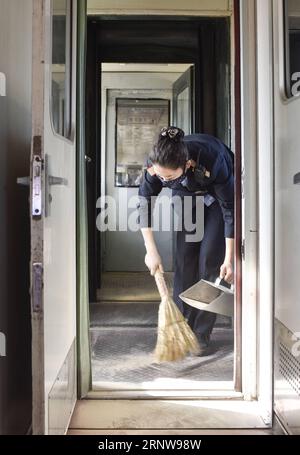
column 175, row 338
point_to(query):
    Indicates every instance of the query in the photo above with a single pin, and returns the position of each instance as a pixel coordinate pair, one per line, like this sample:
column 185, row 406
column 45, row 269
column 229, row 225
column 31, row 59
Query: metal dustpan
column 216, row 297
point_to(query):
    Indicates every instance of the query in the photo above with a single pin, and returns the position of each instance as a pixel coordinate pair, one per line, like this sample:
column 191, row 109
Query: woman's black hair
column 170, row 150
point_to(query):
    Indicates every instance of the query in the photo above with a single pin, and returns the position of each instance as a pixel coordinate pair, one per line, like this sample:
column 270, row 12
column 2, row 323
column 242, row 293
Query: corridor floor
column 123, row 337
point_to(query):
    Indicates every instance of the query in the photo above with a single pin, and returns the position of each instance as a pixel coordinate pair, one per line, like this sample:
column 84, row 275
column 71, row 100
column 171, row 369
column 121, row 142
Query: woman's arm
column 150, row 186
column 223, row 187
column 152, row 258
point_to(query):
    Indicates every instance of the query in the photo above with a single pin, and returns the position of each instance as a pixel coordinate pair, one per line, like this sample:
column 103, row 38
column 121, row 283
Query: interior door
column 183, row 101
column 52, row 212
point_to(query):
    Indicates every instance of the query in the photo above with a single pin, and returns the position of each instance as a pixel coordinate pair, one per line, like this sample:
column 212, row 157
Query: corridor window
column 138, row 124
column 292, row 47
column 61, row 66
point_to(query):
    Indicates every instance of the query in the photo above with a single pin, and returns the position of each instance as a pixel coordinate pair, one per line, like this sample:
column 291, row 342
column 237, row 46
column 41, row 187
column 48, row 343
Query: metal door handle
column 297, row 179
column 88, row 159
column 23, row 181
column 57, row 180
column 51, row 181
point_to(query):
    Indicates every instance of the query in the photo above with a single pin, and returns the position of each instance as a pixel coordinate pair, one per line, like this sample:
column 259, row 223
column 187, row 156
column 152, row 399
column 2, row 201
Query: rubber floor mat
column 130, row 286
column 124, row 354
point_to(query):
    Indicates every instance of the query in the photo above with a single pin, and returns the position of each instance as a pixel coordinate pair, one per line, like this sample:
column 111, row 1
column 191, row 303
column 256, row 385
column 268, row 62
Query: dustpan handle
column 161, row 284
column 221, row 282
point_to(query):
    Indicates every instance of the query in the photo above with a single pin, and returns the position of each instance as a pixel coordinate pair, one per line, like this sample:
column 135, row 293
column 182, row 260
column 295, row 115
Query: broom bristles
column 175, row 338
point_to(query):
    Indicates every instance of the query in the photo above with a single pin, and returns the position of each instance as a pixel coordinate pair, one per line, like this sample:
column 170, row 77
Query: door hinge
column 2, row 84
column 243, row 249
column 37, row 287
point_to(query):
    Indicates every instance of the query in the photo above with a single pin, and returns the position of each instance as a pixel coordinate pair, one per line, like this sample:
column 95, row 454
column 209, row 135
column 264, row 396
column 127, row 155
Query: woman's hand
column 226, row 271
column 153, row 262
column 152, row 258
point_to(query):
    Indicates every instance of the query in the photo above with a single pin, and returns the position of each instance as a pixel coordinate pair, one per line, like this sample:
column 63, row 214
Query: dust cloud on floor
column 123, row 337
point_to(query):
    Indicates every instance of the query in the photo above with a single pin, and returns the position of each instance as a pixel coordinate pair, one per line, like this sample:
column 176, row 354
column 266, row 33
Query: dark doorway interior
column 204, row 42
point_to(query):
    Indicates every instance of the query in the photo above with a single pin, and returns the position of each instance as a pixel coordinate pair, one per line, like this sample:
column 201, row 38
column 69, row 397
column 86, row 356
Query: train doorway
column 188, row 84
column 56, row 339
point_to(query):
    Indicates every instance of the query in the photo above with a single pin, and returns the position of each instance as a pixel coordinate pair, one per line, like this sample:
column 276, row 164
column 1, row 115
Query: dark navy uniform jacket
column 212, row 176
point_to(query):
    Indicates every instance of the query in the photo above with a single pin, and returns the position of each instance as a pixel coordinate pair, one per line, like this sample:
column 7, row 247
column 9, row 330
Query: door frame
column 258, row 213
column 237, row 143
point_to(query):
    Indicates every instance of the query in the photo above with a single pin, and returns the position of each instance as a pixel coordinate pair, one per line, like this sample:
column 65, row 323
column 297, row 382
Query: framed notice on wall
column 138, row 123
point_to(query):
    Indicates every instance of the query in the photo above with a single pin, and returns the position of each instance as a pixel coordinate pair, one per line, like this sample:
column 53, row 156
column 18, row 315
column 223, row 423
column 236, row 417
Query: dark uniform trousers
column 199, row 260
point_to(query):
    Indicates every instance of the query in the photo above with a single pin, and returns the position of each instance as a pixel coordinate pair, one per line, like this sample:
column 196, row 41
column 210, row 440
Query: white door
column 184, row 101
column 287, row 214
column 52, row 194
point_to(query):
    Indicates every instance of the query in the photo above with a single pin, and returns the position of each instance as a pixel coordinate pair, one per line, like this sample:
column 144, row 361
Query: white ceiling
column 145, row 67
column 170, row 7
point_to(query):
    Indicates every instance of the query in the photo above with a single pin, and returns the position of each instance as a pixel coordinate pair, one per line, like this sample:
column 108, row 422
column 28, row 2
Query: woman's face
column 167, row 174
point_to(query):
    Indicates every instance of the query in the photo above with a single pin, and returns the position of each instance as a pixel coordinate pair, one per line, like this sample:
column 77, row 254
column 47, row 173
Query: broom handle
column 161, row 284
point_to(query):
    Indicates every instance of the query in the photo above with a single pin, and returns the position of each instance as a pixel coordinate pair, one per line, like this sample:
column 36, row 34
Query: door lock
column 36, row 194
